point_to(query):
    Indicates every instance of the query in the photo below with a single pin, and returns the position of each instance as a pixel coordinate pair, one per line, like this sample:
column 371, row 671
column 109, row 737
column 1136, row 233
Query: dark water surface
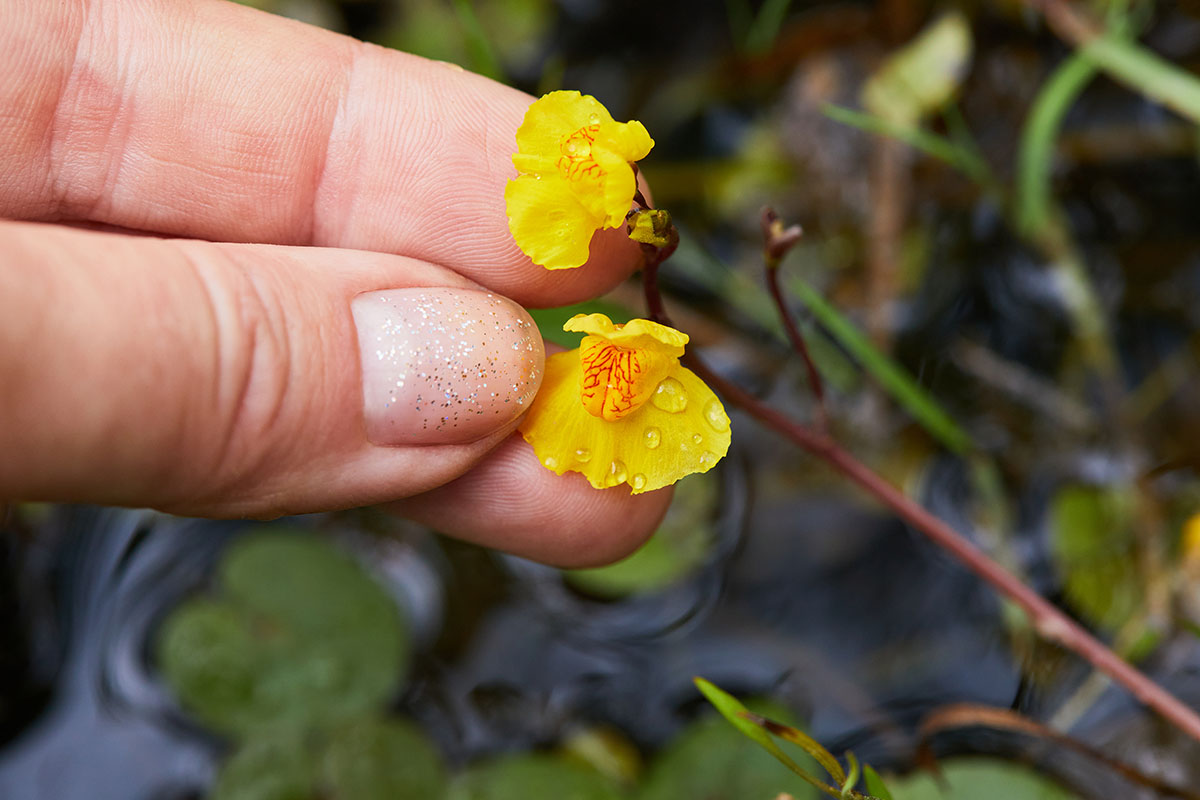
column 810, row 595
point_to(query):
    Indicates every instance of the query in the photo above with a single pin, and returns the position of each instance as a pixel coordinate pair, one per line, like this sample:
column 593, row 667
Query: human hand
column 221, row 373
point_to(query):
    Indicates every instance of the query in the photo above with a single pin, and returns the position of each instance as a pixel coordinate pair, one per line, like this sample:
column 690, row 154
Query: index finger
column 212, row 120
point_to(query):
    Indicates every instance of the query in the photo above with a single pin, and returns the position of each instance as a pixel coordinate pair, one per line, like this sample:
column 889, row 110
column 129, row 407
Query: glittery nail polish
column 444, row 366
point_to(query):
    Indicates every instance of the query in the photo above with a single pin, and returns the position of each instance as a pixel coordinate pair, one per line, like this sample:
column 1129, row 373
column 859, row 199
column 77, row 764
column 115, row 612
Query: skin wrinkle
column 226, row 120
column 265, row 394
column 398, row 152
column 208, row 298
column 322, row 173
column 60, row 115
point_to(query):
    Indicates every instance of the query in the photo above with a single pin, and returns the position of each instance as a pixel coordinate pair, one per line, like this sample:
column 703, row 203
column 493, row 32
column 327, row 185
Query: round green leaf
column 210, row 658
column 526, row 777
column 276, row 766
column 712, row 760
column 1093, row 544
column 382, row 760
column 298, row 636
column 978, row 779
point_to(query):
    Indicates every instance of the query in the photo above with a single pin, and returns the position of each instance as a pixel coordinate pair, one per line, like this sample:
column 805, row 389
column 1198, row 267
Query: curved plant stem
column 797, row 340
column 1049, row 622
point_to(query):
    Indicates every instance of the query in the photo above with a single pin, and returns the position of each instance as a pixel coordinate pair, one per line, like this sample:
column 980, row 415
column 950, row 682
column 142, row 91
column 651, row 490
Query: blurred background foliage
column 1000, row 282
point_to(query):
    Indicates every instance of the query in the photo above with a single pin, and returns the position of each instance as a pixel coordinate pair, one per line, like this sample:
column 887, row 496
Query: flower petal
column 630, row 140
column 639, row 333
column 547, row 222
column 550, row 118
column 616, row 146
column 665, row 445
column 615, row 197
column 616, row 381
column 651, row 448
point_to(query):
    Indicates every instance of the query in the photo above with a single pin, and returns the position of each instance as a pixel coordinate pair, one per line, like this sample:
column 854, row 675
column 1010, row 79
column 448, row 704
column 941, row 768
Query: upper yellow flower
column 575, row 177
column 622, row 409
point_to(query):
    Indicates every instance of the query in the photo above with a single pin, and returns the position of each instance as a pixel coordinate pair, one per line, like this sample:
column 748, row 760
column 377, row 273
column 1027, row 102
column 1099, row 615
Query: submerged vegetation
column 992, row 306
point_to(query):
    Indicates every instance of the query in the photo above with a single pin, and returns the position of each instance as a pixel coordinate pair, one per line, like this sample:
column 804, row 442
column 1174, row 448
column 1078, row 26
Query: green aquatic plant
column 294, row 634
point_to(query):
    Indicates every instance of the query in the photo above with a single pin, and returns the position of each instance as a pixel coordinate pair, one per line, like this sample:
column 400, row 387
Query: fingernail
column 444, row 366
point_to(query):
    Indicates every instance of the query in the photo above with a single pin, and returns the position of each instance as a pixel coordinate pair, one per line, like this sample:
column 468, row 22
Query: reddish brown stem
column 798, row 344
column 1050, row 622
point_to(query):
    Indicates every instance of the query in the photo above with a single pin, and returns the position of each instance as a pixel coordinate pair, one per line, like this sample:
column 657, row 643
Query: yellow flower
column 621, row 408
column 575, row 177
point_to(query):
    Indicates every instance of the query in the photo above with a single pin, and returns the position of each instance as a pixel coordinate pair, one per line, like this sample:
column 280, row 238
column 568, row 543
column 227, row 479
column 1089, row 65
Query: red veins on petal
column 616, row 380
column 577, row 162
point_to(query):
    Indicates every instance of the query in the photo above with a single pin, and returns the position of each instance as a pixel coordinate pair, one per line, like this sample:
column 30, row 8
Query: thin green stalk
column 1034, row 207
column 1144, row 72
column 893, row 377
column 928, row 143
column 765, row 28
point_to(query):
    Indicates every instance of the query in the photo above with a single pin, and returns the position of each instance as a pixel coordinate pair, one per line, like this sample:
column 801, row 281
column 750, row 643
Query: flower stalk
column 1051, row 623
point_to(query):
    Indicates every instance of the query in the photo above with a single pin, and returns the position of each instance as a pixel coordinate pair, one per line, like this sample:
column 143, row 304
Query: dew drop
column 697, row 438
column 652, row 438
column 583, row 455
column 616, row 474
column 707, row 459
column 714, row 412
column 638, row 481
column 594, row 119
column 670, row 396
column 551, row 462
column 571, row 148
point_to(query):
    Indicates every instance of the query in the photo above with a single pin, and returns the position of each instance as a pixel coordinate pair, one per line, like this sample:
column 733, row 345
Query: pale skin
column 210, row 367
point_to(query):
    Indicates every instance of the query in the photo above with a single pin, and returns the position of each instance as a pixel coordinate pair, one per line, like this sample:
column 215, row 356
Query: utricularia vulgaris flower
column 622, row 409
column 576, row 177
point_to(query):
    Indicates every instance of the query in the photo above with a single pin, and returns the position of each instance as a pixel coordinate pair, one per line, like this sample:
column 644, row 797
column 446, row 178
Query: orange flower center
column 617, row 380
column 576, row 162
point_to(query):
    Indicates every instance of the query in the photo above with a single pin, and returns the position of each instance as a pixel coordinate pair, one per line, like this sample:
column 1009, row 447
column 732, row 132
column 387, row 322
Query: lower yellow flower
column 575, row 177
column 622, row 409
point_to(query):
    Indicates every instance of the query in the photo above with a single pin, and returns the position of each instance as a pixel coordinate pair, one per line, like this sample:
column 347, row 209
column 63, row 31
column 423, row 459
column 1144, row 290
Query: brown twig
column 1049, row 622
column 777, row 241
column 1069, row 22
column 971, row 715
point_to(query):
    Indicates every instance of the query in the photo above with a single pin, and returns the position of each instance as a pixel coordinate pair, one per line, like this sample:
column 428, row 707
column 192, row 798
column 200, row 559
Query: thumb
column 245, row 380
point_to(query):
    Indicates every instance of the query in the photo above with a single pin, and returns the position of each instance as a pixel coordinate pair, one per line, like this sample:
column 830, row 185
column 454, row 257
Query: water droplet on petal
column 616, row 474
column 638, row 481
column 551, row 462
column 697, row 438
column 594, row 119
column 707, row 459
column 670, row 396
column 716, row 416
column 583, row 455
column 653, row 438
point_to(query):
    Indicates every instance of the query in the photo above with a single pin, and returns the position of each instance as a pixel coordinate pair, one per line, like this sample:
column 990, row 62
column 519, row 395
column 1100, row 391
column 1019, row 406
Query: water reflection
column 831, row 607
column 110, row 730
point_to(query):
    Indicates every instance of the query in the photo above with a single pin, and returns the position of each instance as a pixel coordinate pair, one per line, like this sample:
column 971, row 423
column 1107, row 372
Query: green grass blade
column 1144, row 72
column 738, row 716
column 875, row 784
column 765, row 28
column 898, row 383
column 1038, row 136
column 930, row 144
column 851, row 780
column 803, row 741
